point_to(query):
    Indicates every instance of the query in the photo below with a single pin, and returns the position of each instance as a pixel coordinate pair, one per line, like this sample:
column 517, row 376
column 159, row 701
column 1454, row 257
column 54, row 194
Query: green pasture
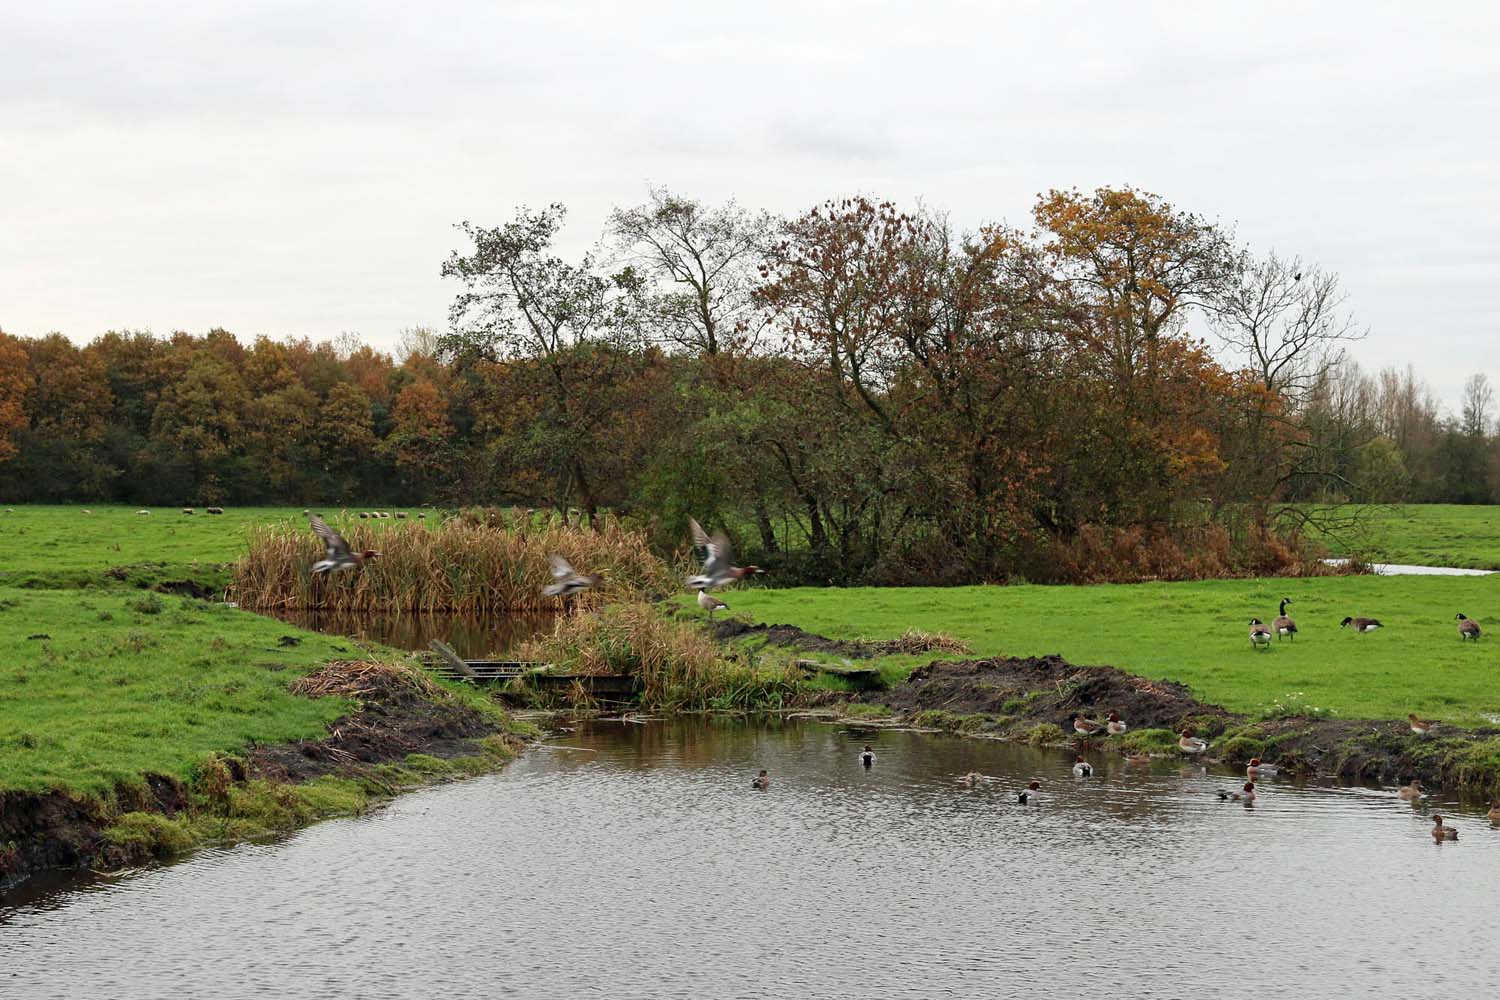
column 1197, row 633
column 1422, row 535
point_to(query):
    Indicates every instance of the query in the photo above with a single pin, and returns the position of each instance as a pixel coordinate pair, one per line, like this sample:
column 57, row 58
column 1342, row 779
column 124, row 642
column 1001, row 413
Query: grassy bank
column 1196, row 633
column 1422, row 535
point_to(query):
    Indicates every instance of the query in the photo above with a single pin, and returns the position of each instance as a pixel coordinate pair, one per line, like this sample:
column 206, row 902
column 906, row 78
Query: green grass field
column 1425, row 535
column 63, row 546
column 1197, row 633
column 131, row 682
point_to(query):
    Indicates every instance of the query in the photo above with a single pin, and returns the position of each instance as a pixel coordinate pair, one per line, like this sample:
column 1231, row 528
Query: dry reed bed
column 457, row 566
column 680, row 667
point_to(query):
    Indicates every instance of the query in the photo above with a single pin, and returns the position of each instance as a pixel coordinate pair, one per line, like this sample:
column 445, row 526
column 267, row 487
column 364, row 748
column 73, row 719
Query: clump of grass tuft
column 456, row 566
column 1045, row 734
column 146, row 604
column 914, row 640
column 1149, row 741
column 678, row 665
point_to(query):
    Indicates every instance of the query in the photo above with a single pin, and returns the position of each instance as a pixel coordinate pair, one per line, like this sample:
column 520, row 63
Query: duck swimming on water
column 1440, row 832
column 1083, row 768
column 761, row 781
column 1029, row 795
column 867, row 756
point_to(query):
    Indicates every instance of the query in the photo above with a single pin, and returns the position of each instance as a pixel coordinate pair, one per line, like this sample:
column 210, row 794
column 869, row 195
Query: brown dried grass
column 462, row 565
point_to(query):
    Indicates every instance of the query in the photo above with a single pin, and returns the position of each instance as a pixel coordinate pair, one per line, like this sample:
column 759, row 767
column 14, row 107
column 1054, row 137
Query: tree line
column 859, row 392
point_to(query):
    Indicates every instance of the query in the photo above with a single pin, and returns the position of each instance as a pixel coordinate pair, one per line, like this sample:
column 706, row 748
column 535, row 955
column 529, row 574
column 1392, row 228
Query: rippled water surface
column 636, row 861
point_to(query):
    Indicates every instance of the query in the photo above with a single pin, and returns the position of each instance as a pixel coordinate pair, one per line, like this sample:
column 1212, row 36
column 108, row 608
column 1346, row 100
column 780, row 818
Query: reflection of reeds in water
column 458, row 566
column 678, row 665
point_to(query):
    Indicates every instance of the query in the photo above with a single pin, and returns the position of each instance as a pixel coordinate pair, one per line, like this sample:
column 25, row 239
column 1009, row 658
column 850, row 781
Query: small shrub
column 1240, row 748
column 146, row 604
column 1149, row 741
column 862, row 710
column 935, row 718
column 1045, row 734
column 151, row 833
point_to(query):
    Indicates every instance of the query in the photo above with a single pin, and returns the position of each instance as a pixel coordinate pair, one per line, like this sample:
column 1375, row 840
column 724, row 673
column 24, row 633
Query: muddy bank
column 792, row 637
column 400, row 712
column 1023, row 698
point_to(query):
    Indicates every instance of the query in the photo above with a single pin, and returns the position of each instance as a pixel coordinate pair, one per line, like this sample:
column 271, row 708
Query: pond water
column 635, row 860
column 1401, row 569
column 471, row 637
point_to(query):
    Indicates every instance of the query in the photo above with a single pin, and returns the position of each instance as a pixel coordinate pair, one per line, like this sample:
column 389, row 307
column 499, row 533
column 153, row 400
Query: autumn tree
column 15, row 386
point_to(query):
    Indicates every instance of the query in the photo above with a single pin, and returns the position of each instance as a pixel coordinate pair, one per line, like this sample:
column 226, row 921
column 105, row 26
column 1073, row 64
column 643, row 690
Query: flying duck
column 1260, row 634
column 1086, row 727
column 1083, row 768
column 708, row 602
column 867, row 756
column 1468, row 628
column 1283, row 624
column 761, row 781
column 339, row 556
column 1411, row 792
column 1362, row 624
column 1256, row 769
column 718, row 562
column 1031, row 793
column 1114, row 725
column 1188, row 743
column 567, row 580
column 1440, row 832
column 1422, row 727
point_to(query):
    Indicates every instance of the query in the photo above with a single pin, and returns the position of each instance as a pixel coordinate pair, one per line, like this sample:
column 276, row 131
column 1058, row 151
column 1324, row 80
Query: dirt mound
column 401, row 712
column 1044, row 689
column 792, row 637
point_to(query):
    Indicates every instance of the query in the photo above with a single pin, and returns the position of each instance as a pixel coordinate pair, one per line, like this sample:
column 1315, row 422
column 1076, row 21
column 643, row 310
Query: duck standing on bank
column 1283, row 625
column 1361, row 624
column 1114, row 726
column 1260, row 634
column 1190, row 744
column 566, row 580
column 718, row 562
column 1422, row 727
column 1468, row 628
column 338, row 555
column 1086, row 727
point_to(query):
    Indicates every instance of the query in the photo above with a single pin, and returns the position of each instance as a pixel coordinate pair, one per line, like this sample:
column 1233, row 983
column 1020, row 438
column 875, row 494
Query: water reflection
column 635, row 861
column 471, row 637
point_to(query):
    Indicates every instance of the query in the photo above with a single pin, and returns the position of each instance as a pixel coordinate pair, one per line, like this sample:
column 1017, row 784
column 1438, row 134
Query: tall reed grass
column 461, row 566
column 679, row 666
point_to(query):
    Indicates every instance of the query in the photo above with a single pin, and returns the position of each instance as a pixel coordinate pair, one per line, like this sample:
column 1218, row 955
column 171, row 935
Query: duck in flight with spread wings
column 718, row 562
column 339, row 556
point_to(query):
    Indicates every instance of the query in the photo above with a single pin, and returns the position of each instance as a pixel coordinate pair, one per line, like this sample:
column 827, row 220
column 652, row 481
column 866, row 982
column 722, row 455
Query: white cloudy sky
column 295, row 168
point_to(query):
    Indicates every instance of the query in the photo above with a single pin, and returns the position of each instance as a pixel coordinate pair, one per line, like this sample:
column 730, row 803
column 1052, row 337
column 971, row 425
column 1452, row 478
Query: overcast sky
column 296, row 169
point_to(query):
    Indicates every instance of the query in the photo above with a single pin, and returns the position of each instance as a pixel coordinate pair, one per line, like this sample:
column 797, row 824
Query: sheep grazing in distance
column 187, row 510
column 214, row 510
column 401, row 514
column 143, row 513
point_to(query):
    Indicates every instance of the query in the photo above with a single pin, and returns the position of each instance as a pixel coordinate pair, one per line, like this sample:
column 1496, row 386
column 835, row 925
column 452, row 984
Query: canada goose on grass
column 708, row 602
column 1260, row 634
column 1468, row 628
column 1083, row 768
column 1440, row 832
column 1361, row 624
column 1283, row 625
